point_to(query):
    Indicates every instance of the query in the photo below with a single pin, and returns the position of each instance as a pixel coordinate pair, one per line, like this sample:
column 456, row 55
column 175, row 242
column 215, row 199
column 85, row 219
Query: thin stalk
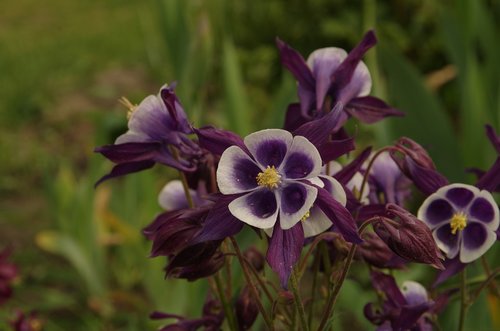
column 294, row 284
column 490, row 280
column 463, row 300
column 313, row 288
column 251, row 285
column 332, row 298
column 231, row 319
column 487, row 270
column 185, row 186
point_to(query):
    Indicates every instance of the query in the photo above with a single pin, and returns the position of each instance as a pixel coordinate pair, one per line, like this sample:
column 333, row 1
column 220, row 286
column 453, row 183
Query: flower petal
column 316, row 223
column 125, row 169
column 295, row 63
column 302, row 161
column 296, row 199
column 460, row 195
column 370, row 110
column 485, row 210
column 446, row 240
column 269, row 147
column 477, row 239
column 236, row 172
column 172, row 196
column 331, row 185
column 284, row 251
column 323, row 63
column 435, row 211
column 150, row 118
column 258, row 208
column 217, row 140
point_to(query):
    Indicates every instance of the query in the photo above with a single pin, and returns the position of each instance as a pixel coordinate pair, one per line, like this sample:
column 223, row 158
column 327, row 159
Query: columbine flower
column 330, row 77
column 272, row 179
column 463, row 220
column 407, row 308
column 155, row 124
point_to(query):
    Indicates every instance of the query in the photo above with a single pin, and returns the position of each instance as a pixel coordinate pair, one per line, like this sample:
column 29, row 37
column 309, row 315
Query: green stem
column 251, row 285
column 185, row 186
column 228, row 311
column 298, row 301
column 463, row 300
column 487, row 270
column 313, row 287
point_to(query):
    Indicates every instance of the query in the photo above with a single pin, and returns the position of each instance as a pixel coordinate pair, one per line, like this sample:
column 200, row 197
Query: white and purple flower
column 463, row 220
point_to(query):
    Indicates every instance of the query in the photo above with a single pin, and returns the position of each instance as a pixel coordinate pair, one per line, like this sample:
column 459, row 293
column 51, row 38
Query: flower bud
column 246, row 309
column 409, row 238
column 255, row 258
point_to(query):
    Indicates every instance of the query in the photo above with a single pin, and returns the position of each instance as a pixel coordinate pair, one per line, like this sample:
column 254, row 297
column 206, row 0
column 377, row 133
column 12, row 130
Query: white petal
column 246, row 212
column 289, row 219
column 303, row 147
column 255, row 141
column 317, row 223
column 232, row 177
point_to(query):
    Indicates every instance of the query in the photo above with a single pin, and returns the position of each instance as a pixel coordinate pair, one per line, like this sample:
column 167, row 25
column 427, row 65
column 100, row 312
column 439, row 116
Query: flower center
column 458, row 222
column 269, row 178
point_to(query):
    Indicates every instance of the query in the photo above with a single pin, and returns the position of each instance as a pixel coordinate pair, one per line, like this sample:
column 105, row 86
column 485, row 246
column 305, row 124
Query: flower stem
column 313, row 287
column 298, row 301
column 228, row 311
column 189, row 198
column 463, row 300
column 487, row 270
column 251, row 285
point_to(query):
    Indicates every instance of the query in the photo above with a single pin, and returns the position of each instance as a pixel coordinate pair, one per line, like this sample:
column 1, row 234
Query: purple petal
column 319, row 130
column 284, row 250
column 175, row 109
column 217, row 140
column 295, row 63
column 435, row 211
column 493, row 137
column 332, row 186
column 387, row 285
column 269, row 147
column 347, row 173
column 332, row 150
column 296, row 199
column 477, row 239
column 302, row 161
column 340, row 217
column 344, row 73
column 447, row 241
column 460, row 196
column 323, row 62
column 258, row 208
column 294, row 118
column 370, row 109
column 220, row 223
column 452, row 267
column 427, row 180
column 129, row 152
column 236, row 172
column 483, row 210
column 490, row 181
column 306, row 98
column 409, row 315
column 125, row 169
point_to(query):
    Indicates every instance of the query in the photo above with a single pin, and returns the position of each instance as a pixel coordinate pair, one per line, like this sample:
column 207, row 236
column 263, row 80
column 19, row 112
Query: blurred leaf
column 425, row 120
column 65, row 246
column 237, row 108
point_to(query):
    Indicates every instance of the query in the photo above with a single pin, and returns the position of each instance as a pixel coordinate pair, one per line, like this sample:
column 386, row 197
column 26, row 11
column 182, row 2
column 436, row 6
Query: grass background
column 64, row 64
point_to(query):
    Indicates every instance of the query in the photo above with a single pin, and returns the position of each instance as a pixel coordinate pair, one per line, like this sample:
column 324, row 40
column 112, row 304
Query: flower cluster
column 294, row 187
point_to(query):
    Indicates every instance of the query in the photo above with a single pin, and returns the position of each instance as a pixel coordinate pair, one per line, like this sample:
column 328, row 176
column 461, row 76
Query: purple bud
column 375, row 252
column 246, row 309
column 409, row 238
column 256, row 259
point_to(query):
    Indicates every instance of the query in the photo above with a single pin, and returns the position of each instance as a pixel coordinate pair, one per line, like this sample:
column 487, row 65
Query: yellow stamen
column 458, row 222
column 269, row 178
column 306, row 216
column 129, row 105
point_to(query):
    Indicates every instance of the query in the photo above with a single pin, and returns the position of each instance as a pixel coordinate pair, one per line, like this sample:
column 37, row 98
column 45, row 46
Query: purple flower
column 330, row 77
column 463, row 220
column 387, row 183
column 26, row 322
column 155, row 124
column 8, row 272
column 273, row 181
column 407, row 308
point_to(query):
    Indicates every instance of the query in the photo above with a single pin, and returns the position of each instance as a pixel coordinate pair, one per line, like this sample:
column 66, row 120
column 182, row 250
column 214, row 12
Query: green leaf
column 425, row 120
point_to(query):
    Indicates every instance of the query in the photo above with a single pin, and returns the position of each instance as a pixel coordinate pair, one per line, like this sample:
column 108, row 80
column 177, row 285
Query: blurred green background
column 65, row 63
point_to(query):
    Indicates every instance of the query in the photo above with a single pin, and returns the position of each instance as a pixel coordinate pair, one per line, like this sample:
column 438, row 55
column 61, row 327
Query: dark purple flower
column 490, row 180
column 330, row 77
column 408, row 308
column 409, row 237
column 155, row 124
column 463, row 220
column 212, row 319
column 8, row 272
